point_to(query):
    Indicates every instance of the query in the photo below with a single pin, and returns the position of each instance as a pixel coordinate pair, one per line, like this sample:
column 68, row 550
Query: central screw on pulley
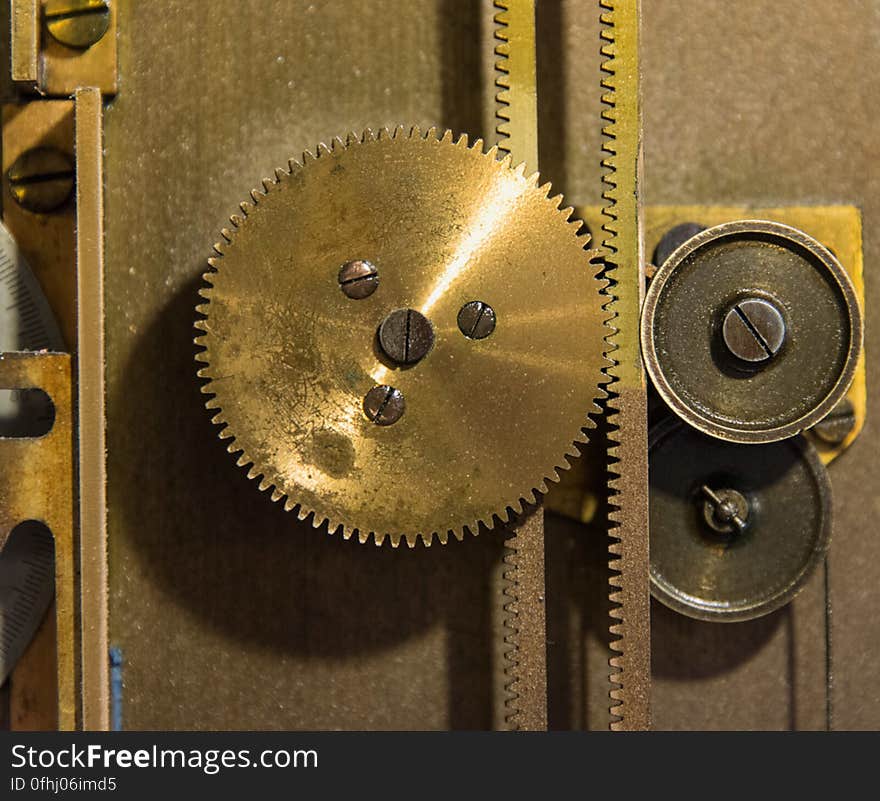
column 724, row 510
column 406, row 336
column 754, row 330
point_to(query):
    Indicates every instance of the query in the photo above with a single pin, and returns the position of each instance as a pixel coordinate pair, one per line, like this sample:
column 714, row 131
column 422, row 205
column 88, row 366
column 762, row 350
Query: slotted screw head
column 673, row 239
column 725, row 510
column 406, row 336
column 358, row 279
column 42, row 179
column 384, row 405
column 476, row 320
column 836, row 425
column 754, row 330
column 77, row 23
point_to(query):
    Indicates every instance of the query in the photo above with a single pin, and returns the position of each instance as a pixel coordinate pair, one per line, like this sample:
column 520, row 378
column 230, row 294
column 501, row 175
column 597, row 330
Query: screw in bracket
column 835, row 427
column 754, row 330
column 384, row 405
column 476, row 319
column 77, row 23
column 674, row 238
column 42, row 179
column 358, row 279
column 406, row 336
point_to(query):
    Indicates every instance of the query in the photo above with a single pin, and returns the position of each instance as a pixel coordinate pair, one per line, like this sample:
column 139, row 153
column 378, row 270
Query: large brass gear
column 290, row 358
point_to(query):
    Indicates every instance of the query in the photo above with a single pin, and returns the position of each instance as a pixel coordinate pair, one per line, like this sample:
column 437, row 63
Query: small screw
column 406, row 336
column 384, row 405
column 476, row 320
column 837, row 424
column 358, row 279
column 77, row 23
column 673, row 239
column 726, row 511
column 754, row 330
column 42, row 179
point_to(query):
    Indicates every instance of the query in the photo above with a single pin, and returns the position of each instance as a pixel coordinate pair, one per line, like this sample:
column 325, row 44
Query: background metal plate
column 228, row 613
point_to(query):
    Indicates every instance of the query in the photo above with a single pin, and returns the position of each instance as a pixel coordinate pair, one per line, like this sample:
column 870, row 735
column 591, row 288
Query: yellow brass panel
column 36, row 483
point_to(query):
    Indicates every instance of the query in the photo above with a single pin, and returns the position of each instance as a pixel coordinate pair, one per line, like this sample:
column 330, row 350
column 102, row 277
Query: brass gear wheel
column 291, row 357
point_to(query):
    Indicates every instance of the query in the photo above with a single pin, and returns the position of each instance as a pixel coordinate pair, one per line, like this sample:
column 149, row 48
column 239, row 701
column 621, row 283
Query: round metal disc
column 710, row 575
column 798, row 369
column 291, row 358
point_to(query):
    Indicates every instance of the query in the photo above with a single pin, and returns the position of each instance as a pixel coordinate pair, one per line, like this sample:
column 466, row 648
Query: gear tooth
column 362, row 536
column 384, row 134
column 255, row 196
column 533, row 179
column 556, row 201
column 415, row 132
column 233, row 447
column 399, row 132
column 308, row 156
column 506, row 161
column 432, row 133
column 236, row 221
column 243, row 460
column 353, row 138
column 442, row 537
column 544, row 189
column 477, row 145
column 253, row 471
column 347, row 533
column 289, row 504
column 244, row 207
column 226, row 234
column 293, row 166
column 265, row 483
column 459, row 535
column 337, row 145
column 280, row 174
column 520, row 169
column 447, row 136
column 322, row 150
column 267, row 184
column 276, row 495
column 492, row 152
column 462, row 140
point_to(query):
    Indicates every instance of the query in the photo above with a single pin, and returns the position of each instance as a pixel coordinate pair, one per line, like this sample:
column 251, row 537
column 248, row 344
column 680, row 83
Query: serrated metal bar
column 525, row 656
column 517, row 98
column 627, row 403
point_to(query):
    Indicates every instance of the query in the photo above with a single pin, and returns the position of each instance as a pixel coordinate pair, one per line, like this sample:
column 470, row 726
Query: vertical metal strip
column 24, row 41
column 627, row 403
column 90, row 419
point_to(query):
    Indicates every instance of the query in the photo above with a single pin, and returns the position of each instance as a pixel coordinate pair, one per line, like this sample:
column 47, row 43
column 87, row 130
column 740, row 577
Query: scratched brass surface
column 741, row 106
column 289, row 358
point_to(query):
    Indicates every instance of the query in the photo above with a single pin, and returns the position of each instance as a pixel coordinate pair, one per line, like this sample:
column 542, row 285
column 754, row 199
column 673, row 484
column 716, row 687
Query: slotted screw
column 836, row 425
column 476, row 320
column 754, row 330
column 724, row 510
column 42, row 179
column 358, row 279
column 77, row 23
column 406, row 336
column 384, row 405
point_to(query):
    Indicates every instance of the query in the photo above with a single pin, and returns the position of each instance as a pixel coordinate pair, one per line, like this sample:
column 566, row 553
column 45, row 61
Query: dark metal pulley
column 751, row 331
column 736, row 530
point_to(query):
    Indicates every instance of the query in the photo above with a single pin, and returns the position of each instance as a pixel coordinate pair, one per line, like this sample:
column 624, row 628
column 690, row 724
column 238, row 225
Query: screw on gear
column 289, row 359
